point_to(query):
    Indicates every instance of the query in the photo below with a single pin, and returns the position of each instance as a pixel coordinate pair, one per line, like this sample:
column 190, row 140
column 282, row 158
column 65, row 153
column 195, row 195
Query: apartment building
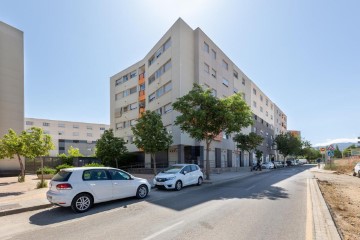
column 182, row 57
column 65, row 134
column 11, row 88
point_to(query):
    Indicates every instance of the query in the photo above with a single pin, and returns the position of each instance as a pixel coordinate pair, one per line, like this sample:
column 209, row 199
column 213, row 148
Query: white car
column 267, row 165
column 81, row 187
column 178, row 176
column 357, row 170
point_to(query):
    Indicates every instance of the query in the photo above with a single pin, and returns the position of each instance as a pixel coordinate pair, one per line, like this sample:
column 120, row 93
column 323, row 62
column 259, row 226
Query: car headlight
column 170, row 178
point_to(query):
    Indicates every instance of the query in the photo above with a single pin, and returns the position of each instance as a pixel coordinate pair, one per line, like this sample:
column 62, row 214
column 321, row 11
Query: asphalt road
column 271, row 205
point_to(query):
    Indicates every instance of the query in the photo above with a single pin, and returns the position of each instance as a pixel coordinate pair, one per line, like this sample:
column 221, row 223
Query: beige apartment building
column 182, row 57
column 11, row 88
column 65, row 134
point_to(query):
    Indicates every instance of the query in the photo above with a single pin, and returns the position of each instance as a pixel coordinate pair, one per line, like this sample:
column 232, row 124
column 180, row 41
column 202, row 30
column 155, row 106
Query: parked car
column 267, row 165
column 289, row 163
column 81, row 187
column 178, row 176
column 357, row 170
column 303, row 161
column 278, row 164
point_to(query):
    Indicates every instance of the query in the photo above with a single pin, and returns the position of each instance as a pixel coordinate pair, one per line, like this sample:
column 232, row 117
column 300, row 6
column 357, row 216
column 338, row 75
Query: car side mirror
column 184, row 172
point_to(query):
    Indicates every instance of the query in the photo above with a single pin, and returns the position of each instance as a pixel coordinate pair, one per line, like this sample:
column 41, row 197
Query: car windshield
column 62, row 176
column 173, row 169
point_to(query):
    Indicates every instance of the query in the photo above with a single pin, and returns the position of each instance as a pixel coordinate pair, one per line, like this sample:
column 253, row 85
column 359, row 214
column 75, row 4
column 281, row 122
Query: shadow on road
column 10, row 194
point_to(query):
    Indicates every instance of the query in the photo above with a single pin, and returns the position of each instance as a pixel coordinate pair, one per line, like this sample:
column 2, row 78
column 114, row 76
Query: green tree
column 248, row 142
column 258, row 155
column 347, row 151
column 150, row 135
column 204, row 116
column 110, row 148
column 287, row 144
column 337, row 152
column 74, row 152
column 29, row 144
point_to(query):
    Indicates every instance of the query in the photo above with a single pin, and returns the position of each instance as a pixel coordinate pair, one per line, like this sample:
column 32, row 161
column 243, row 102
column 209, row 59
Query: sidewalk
column 18, row 197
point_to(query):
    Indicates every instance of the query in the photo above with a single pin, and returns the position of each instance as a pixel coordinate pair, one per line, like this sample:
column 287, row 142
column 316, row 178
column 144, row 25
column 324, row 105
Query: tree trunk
column 153, row 156
column 22, row 169
column 250, row 159
column 116, row 162
column 207, row 172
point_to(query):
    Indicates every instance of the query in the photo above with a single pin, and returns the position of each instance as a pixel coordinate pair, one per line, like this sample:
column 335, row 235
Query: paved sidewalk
column 18, row 197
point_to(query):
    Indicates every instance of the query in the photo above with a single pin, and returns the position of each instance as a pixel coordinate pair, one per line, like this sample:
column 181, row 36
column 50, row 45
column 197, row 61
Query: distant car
column 289, row 163
column 81, row 187
column 278, row 164
column 303, row 161
column 357, row 170
column 178, row 176
column 267, row 165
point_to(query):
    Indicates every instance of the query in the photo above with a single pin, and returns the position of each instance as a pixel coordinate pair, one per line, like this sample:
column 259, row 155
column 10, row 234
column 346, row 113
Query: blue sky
column 305, row 55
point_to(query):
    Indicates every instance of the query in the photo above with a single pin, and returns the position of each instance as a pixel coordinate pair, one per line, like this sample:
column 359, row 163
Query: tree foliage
column 287, row 144
column 150, row 135
column 110, row 148
column 248, row 142
column 29, row 144
column 204, row 116
column 337, row 152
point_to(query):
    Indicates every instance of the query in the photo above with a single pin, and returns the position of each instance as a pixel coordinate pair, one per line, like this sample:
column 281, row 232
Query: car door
column 122, row 183
column 187, row 175
column 98, row 183
column 194, row 174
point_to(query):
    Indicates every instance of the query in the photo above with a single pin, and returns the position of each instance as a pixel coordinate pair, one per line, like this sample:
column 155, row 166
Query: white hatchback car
column 178, row 176
column 81, row 187
column 357, row 170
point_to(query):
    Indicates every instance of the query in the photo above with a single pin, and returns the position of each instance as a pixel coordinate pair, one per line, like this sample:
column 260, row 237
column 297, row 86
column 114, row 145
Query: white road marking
column 162, row 231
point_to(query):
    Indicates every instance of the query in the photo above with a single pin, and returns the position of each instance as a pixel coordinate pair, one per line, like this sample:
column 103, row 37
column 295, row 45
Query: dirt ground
column 341, row 191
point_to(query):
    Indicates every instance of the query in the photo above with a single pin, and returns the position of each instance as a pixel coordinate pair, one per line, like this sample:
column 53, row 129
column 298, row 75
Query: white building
column 184, row 56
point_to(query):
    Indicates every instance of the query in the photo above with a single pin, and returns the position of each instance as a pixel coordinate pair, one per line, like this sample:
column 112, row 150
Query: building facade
column 11, row 88
column 182, row 57
column 65, row 134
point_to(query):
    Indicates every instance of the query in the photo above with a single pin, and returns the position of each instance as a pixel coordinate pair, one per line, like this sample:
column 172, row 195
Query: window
column 243, row 94
column 261, row 109
column 159, row 52
column 159, row 111
column 61, row 133
column 271, row 106
column 214, row 93
column 133, row 106
column 95, row 175
column 236, row 74
column 119, row 126
column 254, row 129
column 126, row 108
column 118, row 96
column 102, row 129
column 168, row 87
column 118, row 175
column 243, row 81
column 225, row 65
column 119, row 81
column 89, row 134
column 130, row 139
column 30, row 123
column 151, row 97
column 151, row 79
column 132, row 122
column 255, row 116
column 160, row 72
column 168, row 128
column 125, row 78
column 235, row 90
column 75, row 134
column 225, row 82
column 160, row 92
column 133, row 90
column 213, row 73
column 89, row 127
column 46, row 132
column 254, row 103
column 267, row 102
column 46, row 124
column 133, row 74
column 75, row 126
column 267, row 114
column 213, row 54
column 167, row 66
column 206, row 68
column 168, row 108
column 254, row 91
column 167, row 44
column 206, row 47
column 261, row 98
column 151, row 60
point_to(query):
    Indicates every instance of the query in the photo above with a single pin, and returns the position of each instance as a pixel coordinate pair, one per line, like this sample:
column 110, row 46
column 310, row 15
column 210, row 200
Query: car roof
column 85, row 168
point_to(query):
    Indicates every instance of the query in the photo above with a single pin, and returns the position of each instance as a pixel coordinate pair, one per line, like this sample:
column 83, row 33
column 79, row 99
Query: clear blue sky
column 305, row 55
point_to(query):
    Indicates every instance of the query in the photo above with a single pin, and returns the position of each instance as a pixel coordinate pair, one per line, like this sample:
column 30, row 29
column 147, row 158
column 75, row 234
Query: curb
column 24, row 209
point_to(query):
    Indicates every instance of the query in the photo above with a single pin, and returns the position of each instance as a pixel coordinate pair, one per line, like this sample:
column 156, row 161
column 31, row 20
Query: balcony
column 141, row 95
column 141, row 78
column 141, row 110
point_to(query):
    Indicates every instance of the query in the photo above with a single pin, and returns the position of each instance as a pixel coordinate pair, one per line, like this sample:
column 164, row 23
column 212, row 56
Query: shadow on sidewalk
column 6, row 194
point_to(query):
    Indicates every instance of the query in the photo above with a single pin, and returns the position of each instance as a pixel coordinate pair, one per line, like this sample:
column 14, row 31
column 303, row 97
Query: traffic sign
column 322, row 150
column 330, row 153
column 331, row 148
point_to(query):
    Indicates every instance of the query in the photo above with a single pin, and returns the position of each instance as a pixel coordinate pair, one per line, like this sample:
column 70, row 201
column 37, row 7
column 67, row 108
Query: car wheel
column 178, row 185
column 82, row 202
column 359, row 173
column 142, row 191
column 200, row 181
column 354, row 174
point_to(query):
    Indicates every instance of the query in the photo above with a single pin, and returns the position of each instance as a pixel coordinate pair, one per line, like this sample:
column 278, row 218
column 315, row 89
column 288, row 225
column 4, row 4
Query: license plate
column 160, row 183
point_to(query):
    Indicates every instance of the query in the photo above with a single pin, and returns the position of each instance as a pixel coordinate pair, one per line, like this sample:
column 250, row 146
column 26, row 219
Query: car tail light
column 63, row 186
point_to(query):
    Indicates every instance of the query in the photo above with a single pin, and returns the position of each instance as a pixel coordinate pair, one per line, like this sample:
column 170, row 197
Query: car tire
column 82, row 202
column 359, row 174
column 178, row 185
column 354, row 174
column 142, row 191
column 200, row 181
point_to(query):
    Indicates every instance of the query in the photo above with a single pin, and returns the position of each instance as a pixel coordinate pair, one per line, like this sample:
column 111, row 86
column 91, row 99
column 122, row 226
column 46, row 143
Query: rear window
column 62, row 176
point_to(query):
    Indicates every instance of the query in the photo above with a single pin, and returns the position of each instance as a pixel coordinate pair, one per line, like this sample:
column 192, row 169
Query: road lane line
column 162, row 231
column 309, row 216
column 247, row 189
